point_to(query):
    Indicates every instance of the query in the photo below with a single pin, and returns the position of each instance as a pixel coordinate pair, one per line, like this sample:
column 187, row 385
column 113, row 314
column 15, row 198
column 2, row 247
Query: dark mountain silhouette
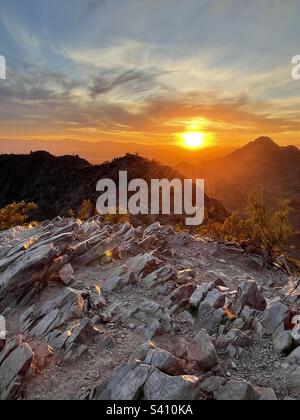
column 261, row 164
column 57, row 184
column 100, row 151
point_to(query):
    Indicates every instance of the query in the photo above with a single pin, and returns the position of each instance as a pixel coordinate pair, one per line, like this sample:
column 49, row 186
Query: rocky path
column 100, row 311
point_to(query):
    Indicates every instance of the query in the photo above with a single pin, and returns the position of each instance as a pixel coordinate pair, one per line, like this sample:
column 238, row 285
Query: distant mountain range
column 99, row 152
column 261, row 164
column 57, row 184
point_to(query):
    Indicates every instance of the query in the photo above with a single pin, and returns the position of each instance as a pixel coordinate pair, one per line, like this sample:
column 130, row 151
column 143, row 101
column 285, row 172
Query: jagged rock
column 292, row 289
column 153, row 328
column 200, row 293
column 296, row 334
column 212, row 384
column 283, row 342
column 113, row 281
column 142, row 265
column 294, row 357
column 274, row 315
column 249, row 294
column 208, row 317
column 215, row 299
column 154, row 228
column 81, row 333
column 265, row 394
column 20, row 275
column 141, row 351
column 160, row 276
column 13, row 367
column 126, row 383
column 96, row 299
column 39, row 320
column 187, row 317
column 182, row 293
column 160, row 386
column 237, row 391
column 147, row 309
column 66, row 274
column 238, row 338
column 295, row 382
column 203, row 351
column 164, row 361
column 166, row 323
column 185, row 276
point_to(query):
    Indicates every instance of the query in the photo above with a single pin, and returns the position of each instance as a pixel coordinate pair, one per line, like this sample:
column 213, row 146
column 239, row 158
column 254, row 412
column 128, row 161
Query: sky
column 145, row 71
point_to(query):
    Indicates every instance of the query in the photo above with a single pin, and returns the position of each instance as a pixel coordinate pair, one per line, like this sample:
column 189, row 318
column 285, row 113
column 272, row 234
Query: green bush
column 15, row 214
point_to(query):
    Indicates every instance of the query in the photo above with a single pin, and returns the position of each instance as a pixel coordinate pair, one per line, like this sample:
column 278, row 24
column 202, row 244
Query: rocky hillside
column 99, row 311
column 259, row 164
column 57, row 184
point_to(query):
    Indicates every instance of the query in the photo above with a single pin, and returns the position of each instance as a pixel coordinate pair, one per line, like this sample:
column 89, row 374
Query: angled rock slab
column 164, row 361
column 200, row 294
column 202, row 351
column 126, row 383
column 14, row 366
column 208, row 318
column 248, row 294
column 160, row 386
column 237, row 391
column 273, row 317
column 294, row 357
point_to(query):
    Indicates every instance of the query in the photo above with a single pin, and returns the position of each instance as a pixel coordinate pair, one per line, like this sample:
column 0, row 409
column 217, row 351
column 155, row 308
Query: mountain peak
column 264, row 141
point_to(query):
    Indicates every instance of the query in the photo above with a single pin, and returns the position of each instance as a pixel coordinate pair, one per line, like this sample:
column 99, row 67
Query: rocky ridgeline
column 101, row 311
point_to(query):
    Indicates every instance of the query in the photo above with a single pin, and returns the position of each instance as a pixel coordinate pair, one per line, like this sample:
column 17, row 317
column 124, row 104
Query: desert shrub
column 70, row 213
column 15, row 214
column 268, row 223
column 262, row 221
column 86, row 210
column 117, row 218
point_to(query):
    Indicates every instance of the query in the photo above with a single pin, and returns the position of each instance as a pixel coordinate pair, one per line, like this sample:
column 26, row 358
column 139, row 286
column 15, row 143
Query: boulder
column 295, row 382
column 208, row 317
column 126, row 383
column 160, row 276
column 181, row 294
column 200, row 293
column 96, row 299
column 153, row 328
column 66, row 274
column 141, row 351
column 215, row 299
column 265, row 394
column 273, row 316
column 296, row 334
column 23, row 273
column 248, row 294
column 164, row 361
column 14, row 366
column 160, row 386
column 203, row 351
column 294, row 357
column 237, row 391
column 283, row 342
column 40, row 320
column 212, row 384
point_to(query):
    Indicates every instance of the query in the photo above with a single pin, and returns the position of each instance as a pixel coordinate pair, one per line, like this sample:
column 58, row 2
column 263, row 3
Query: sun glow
column 193, row 140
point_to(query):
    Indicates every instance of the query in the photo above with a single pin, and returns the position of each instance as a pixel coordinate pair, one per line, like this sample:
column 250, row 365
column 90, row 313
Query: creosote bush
column 15, row 214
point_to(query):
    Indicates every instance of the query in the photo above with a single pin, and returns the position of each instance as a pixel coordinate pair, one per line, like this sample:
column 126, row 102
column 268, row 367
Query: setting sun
column 193, row 140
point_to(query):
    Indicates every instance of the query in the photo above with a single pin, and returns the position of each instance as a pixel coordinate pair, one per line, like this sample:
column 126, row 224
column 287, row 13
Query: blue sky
column 147, row 70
